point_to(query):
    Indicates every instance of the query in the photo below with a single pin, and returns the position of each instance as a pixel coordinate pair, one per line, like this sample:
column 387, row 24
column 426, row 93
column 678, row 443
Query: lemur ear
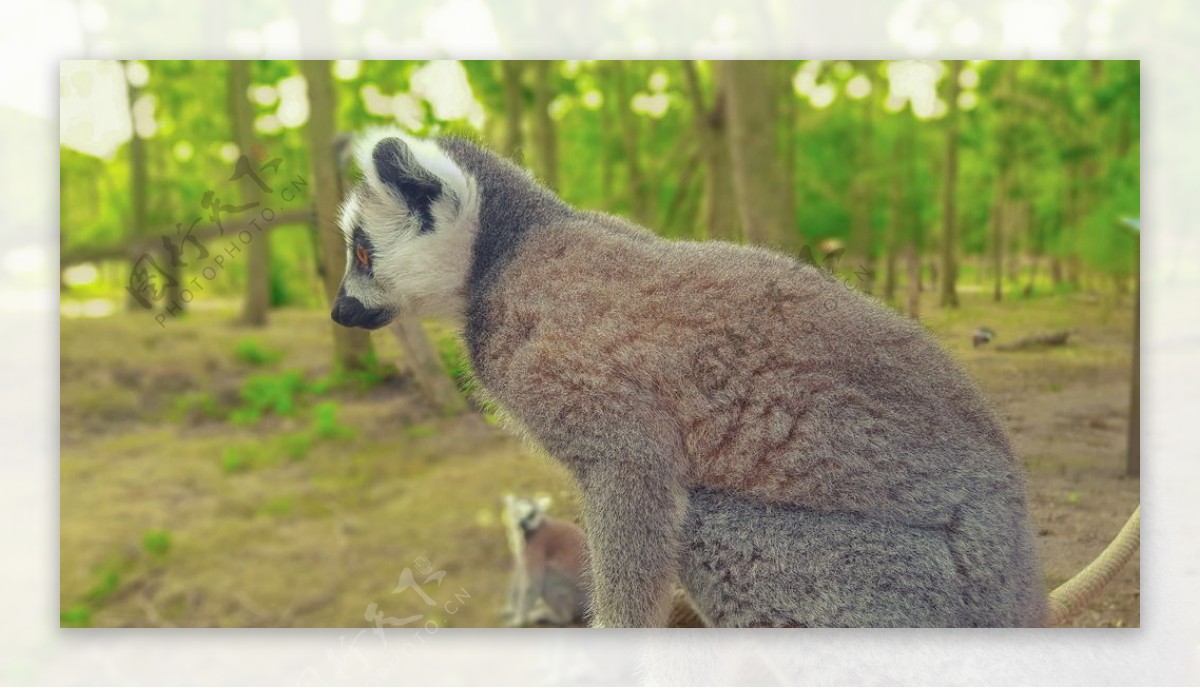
column 398, row 169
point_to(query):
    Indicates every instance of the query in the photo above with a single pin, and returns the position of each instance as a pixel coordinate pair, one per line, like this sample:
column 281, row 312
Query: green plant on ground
column 195, row 404
column 233, row 460
column 297, row 445
column 157, row 542
column 252, row 353
column 110, row 580
column 263, row 394
column 371, row 375
column 76, row 616
column 325, row 422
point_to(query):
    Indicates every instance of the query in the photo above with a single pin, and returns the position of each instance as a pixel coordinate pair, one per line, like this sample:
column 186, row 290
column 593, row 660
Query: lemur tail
column 1070, row 597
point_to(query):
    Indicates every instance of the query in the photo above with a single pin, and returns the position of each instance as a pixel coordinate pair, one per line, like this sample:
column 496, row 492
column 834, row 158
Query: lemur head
column 529, row 513
column 408, row 227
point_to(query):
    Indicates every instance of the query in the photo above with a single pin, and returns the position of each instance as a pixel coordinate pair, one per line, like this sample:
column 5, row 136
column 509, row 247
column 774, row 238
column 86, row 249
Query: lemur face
column 530, row 512
column 408, row 229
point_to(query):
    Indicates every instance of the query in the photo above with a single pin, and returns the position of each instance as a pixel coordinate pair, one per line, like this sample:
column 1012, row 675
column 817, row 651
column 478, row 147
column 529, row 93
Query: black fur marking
column 412, row 183
column 511, row 204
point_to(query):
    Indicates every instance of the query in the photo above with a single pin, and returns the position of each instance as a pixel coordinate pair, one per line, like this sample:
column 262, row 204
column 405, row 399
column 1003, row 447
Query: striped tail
column 1070, row 597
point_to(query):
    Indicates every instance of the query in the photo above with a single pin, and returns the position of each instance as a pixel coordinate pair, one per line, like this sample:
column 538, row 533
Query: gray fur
column 791, row 450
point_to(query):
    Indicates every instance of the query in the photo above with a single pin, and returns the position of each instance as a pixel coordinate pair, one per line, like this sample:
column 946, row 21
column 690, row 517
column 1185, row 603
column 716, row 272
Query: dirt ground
column 174, row 515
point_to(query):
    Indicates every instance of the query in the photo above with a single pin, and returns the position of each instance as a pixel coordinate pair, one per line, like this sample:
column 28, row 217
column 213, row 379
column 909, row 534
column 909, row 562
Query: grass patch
column 269, row 394
column 419, row 431
column 76, row 616
column 296, row 446
column 325, row 422
column 361, row 380
column 279, row 506
column 157, row 542
column 110, row 580
column 196, row 405
column 234, row 460
column 250, row 352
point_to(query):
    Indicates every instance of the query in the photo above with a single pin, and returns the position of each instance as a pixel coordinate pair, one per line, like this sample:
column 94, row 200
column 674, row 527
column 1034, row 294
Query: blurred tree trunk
column 719, row 204
column 757, row 163
column 1073, row 217
column 862, row 192
column 789, row 111
column 1133, row 453
column 638, row 191
column 1005, row 147
column 352, row 347
column 426, row 366
column 999, row 215
column 904, row 223
column 608, row 137
column 547, row 136
column 914, row 281
column 258, row 249
column 893, row 237
column 949, row 293
column 137, row 187
column 1036, row 250
column 514, row 136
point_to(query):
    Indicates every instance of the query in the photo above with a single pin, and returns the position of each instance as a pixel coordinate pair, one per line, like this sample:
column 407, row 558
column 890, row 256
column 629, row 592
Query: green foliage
column 297, row 445
column 234, row 460
column 252, row 353
column 195, row 404
column 157, row 542
column 456, row 362
column 323, row 426
column 76, row 616
column 325, row 422
column 293, row 270
column 371, row 375
column 110, row 580
column 265, row 394
column 1055, row 143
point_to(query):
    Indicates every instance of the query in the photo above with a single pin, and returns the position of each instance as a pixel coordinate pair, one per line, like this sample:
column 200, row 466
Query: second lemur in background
column 549, row 578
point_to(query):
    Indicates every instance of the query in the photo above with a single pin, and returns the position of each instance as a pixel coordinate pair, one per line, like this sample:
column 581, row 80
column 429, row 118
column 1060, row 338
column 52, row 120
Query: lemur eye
column 364, row 257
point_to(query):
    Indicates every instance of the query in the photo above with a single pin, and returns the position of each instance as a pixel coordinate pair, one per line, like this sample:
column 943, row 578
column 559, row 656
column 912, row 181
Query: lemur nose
column 347, row 311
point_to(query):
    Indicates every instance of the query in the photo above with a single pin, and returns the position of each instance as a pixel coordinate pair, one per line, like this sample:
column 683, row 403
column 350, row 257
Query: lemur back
column 700, row 389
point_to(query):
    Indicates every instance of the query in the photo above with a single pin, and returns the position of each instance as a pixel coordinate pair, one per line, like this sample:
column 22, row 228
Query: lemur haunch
column 790, row 450
column 549, row 585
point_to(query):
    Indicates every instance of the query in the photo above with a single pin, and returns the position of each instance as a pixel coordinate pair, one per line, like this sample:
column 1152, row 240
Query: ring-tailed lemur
column 549, row 585
column 789, row 449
